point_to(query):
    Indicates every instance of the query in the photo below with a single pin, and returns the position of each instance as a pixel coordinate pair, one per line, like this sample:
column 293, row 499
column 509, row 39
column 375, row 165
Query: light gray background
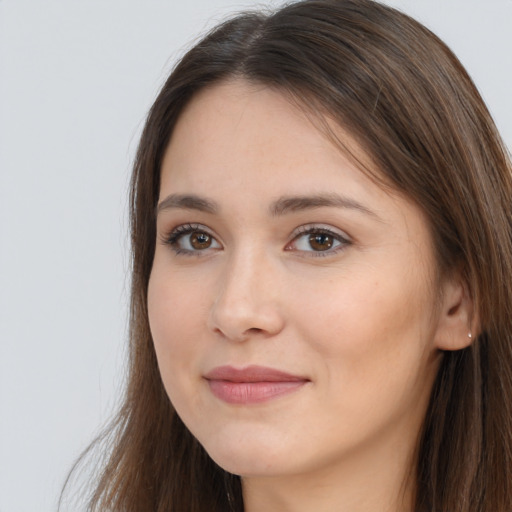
column 76, row 79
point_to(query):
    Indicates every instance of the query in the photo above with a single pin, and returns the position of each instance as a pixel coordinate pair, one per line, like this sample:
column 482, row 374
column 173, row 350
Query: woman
column 321, row 231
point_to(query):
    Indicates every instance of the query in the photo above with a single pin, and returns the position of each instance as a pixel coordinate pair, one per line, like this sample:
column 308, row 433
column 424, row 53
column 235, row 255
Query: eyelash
column 343, row 240
column 179, row 232
column 174, row 237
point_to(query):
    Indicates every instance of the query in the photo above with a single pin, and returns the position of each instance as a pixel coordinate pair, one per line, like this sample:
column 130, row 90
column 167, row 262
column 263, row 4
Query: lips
column 252, row 384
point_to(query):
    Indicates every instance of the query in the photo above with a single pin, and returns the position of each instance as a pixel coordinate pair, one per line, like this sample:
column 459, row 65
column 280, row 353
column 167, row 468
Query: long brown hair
column 412, row 107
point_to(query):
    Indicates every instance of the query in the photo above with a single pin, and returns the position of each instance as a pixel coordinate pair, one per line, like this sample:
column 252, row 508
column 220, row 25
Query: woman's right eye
column 189, row 239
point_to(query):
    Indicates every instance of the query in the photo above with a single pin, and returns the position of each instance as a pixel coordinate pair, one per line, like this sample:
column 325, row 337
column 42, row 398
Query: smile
column 251, row 385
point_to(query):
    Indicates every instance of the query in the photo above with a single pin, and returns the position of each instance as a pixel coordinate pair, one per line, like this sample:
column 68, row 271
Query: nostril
column 238, row 316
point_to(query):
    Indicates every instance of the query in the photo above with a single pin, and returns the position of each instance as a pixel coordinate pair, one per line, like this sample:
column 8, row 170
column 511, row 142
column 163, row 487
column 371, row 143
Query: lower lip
column 244, row 393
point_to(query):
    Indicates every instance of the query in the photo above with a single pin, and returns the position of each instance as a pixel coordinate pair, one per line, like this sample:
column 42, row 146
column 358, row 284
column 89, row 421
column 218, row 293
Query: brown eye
column 200, row 240
column 189, row 239
column 321, row 241
column 318, row 241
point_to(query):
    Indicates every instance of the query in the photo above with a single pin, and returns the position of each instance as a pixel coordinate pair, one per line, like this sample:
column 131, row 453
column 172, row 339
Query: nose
column 247, row 302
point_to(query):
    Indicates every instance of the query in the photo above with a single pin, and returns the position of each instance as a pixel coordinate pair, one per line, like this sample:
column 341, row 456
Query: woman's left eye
column 318, row 240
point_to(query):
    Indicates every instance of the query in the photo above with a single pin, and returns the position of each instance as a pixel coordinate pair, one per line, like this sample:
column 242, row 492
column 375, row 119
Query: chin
column 244, row 466
column 250, row 458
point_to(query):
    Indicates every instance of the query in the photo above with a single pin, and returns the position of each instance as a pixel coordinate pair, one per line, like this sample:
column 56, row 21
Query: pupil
column 320, row 241
column 200, row 240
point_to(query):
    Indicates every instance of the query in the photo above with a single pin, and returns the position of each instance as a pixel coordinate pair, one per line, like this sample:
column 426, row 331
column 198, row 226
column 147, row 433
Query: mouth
column 252, row 384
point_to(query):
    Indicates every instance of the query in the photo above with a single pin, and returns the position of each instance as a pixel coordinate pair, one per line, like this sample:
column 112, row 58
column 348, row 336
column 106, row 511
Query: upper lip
column 251, row 373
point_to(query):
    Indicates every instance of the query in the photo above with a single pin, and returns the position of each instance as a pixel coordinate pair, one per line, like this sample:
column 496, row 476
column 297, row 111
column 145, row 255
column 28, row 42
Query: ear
column 458, row 324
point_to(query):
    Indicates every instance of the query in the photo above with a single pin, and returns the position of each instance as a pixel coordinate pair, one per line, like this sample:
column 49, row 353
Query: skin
column 363, row 322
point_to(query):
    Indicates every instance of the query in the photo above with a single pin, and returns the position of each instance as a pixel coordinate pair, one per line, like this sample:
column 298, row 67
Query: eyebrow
column 187, row 202
column 289, row 204
column 282, row 206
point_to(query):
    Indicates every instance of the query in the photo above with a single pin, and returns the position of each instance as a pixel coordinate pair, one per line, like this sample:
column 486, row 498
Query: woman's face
column 291, row 299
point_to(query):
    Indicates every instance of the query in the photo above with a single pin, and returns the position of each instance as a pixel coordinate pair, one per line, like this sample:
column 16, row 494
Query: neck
column 369, row 481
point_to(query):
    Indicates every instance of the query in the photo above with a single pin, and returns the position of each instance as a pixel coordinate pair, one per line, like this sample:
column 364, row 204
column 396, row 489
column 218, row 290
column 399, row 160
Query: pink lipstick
column 252, row 384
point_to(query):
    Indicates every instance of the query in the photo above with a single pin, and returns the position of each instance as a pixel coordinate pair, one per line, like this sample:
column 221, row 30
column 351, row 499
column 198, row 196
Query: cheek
column 371, row 342
column 366, row 326
column 174, row 328
column 176, row 300
column 174, row 310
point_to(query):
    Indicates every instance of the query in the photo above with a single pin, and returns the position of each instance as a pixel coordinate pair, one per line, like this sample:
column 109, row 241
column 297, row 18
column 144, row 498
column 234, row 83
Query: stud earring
column 470, row 335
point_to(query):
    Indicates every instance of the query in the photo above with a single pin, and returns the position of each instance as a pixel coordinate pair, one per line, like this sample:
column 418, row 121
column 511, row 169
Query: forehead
column 234, row 130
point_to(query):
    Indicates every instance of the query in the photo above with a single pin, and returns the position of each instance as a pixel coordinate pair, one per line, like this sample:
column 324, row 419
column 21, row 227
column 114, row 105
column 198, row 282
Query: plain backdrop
column 76, row 80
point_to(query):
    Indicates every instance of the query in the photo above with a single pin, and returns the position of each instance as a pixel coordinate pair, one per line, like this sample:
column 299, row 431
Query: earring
column 470, row 335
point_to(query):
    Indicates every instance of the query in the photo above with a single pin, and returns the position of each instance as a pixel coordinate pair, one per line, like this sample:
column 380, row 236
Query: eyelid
column 171, row 237
column 343, row 238
column 320, row 228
